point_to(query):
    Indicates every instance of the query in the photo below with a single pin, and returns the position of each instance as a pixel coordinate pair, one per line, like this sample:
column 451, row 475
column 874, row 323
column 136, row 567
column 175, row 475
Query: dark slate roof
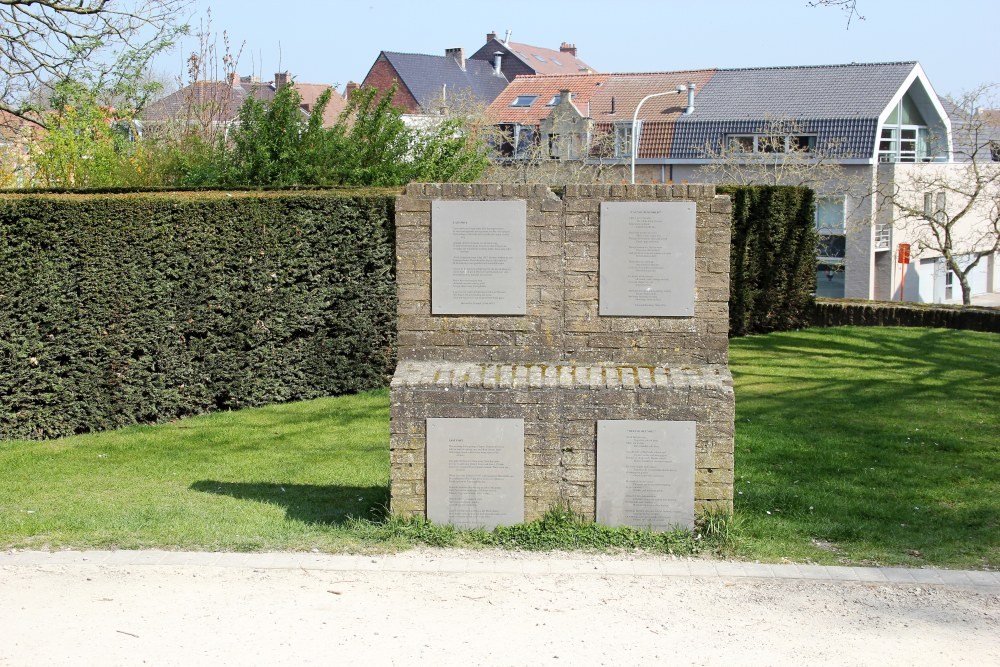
column 425, row 76
column 825, row 91
column 839, row 103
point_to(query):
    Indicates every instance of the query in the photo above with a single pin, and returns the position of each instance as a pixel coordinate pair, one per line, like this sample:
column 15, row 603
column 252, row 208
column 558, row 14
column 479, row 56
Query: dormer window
column 905, row 136
column 524, row 100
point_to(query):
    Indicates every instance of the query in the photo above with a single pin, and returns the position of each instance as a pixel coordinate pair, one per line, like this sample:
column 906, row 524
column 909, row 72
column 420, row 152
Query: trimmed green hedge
column 773, row 262
column 122, row 309
column 835, row 313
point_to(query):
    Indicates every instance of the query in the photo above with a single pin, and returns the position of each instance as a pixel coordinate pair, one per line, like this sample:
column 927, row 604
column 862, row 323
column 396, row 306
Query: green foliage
column 275, row 144
column 773, row 260
column 373, row 146
column 87, row 145
column 559, row 528
column 123, row 309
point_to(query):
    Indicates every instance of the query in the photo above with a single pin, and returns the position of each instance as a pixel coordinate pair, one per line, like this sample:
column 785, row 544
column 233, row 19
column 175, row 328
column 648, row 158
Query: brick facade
column 561, row 367
column 382, row 76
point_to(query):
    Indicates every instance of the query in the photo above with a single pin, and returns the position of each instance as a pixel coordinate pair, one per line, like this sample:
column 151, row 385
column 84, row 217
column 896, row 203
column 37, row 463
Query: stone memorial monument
column 562, row 351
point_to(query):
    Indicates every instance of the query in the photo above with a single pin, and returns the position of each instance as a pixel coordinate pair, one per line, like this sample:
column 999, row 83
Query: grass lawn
column 869, row 445
column 853, row 445
column 280, row 477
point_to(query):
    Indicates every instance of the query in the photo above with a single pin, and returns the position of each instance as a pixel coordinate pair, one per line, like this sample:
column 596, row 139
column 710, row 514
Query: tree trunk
column 963, row 280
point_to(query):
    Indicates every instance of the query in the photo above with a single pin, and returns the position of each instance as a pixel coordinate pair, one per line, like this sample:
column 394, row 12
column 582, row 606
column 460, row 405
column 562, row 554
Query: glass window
column 554, row 101
column 623, row 140
column 524, row 100
column 741, row 143
column 556, row 62
column 538, row 57
column 802, row 143
column 830, row 281
column 830, row 215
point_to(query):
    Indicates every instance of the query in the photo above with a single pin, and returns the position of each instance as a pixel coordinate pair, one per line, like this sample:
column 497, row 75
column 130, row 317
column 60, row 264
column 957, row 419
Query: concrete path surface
column 453, row 607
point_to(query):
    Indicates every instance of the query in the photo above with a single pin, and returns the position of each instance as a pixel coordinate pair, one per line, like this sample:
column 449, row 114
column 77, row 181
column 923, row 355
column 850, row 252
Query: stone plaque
column 478, row 257
column 645, row 473
column 647, row 259
column 475, row 472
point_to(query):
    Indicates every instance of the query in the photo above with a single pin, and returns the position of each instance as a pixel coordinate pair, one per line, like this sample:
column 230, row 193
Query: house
column 430, row 85
column 516, row 59
column 852, row 131
column 216, row 104
column 425, row 84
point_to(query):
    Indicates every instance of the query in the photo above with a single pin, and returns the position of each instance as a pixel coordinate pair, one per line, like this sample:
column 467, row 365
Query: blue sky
column 333, row 42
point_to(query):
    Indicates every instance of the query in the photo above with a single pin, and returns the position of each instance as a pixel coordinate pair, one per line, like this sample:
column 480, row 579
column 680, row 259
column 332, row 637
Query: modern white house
column 852, row 132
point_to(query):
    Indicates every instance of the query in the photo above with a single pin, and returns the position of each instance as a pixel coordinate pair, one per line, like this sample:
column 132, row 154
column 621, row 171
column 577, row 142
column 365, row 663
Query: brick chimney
column 566, row 47
column 490, row 36
column 350, row 88
column 281, row 79
column 458, row 55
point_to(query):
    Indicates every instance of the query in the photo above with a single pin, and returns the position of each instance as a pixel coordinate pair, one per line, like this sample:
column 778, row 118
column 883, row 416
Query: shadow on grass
column 310, row 503
column 876, row 437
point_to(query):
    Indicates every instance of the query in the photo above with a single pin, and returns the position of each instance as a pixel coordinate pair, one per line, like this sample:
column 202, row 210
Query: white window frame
column 758, row 145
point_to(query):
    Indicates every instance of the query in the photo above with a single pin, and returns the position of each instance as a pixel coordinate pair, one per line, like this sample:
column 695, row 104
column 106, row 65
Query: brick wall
column 381, row 76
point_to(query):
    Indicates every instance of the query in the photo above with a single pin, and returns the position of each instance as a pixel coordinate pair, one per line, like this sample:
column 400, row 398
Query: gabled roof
column 805, row 92
column 840, row 104
column 425, row 76
column 545, row 61
column 583, row 86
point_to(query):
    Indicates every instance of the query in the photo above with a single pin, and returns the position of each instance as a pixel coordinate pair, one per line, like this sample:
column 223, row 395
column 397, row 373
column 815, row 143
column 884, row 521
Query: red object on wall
column 903, row 257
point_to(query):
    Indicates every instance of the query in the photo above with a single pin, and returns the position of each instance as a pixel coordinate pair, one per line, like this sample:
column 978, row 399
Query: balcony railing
column 882, row 237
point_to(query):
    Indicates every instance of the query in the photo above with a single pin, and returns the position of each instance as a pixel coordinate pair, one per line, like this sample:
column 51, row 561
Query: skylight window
column 524, row 100
column 541, row 59
column 556, row 62
column 554, row 101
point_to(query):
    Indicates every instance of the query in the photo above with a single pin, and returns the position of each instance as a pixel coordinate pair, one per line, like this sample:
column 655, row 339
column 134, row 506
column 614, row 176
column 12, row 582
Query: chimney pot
column 566, row 47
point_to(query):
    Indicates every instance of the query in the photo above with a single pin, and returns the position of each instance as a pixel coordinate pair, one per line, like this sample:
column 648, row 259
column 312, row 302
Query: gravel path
column 468, row 608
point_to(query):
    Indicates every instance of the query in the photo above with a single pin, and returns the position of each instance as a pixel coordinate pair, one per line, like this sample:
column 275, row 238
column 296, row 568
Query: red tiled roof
column 583, row 86
column 548, row 61
column 310, row 92
column 609, row 99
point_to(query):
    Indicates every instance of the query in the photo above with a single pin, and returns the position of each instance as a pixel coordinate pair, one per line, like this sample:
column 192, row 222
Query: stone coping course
column 556, row 374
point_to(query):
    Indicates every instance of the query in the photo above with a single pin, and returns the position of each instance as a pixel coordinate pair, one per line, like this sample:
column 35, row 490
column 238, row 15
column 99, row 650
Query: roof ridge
column 675, row 71
column 831, row 65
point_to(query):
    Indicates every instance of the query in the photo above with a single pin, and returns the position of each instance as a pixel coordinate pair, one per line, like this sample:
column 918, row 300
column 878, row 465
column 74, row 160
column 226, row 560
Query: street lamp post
column 635, row 122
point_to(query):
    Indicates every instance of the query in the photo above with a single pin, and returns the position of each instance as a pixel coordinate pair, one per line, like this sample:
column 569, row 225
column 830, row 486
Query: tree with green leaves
column 275, row 143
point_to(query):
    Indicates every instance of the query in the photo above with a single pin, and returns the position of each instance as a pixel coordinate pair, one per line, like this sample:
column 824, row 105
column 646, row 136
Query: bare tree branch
column 103, row 43
column 849, row 7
